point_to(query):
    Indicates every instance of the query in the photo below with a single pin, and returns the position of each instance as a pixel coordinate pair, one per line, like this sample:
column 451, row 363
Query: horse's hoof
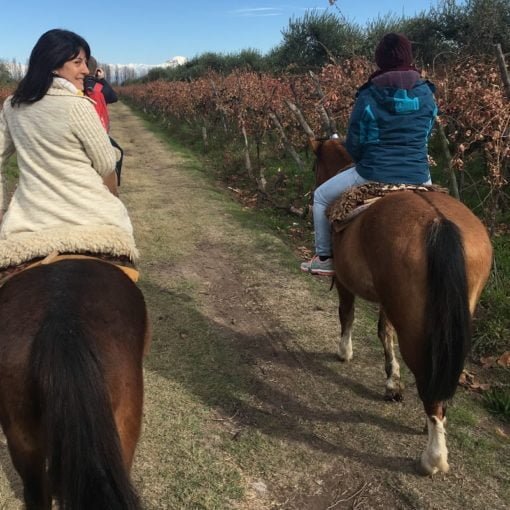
column 345, row 353
column 424, row 468
column 393, row 396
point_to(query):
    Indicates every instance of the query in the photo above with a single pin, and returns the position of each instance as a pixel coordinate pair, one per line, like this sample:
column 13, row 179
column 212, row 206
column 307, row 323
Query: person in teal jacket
column 387, row 137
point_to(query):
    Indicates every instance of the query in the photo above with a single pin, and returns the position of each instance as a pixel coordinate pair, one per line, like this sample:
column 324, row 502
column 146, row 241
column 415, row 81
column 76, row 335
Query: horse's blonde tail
column 448, row 318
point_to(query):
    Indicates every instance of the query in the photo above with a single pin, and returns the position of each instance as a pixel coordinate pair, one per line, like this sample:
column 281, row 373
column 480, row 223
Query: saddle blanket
column 358, row 198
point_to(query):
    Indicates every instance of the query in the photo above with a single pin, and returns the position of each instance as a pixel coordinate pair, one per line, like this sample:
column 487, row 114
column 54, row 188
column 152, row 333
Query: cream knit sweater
column 60, row 203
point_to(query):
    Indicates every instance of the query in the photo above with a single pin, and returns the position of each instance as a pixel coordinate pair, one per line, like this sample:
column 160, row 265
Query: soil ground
column 247, row 406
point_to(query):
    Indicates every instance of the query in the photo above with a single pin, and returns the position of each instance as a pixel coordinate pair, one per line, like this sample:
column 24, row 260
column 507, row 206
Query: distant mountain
column 115, row 73
column 127, row 71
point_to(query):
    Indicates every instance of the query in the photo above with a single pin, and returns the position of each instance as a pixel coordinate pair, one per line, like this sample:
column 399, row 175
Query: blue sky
column 152, row 31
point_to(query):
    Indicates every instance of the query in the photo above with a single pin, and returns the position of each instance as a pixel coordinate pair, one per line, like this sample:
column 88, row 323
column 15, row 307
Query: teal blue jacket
column 389, row 130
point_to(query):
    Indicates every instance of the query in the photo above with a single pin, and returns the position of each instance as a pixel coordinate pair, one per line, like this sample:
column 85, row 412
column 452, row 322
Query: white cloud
column 258, row 11
column 271, row 11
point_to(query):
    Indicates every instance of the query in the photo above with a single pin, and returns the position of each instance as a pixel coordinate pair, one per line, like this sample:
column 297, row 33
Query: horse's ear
column 314, row 144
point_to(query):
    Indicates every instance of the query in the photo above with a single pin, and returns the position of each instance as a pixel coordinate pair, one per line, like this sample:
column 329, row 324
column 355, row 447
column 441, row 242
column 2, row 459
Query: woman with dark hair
column 63, row 154
column 53, row 50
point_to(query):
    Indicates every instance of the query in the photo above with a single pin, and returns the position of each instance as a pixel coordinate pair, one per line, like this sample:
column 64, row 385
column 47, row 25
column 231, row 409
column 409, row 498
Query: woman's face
column 74, row 70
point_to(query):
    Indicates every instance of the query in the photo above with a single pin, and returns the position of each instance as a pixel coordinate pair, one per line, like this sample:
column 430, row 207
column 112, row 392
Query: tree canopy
column 446, row 31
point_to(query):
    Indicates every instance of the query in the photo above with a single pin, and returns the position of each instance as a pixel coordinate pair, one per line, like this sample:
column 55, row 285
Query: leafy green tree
column 487, row 22
column 315, row 40
column 249, row 59
column 198, row 66
column 447, row 30
column 436, row 34
column 376, row 28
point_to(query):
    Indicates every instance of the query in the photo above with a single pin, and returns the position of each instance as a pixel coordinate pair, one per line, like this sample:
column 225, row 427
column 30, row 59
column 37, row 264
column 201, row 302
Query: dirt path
column 247, row 406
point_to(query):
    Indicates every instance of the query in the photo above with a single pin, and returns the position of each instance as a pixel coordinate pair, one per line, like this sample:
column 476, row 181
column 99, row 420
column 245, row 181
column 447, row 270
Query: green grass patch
column 461, row 415
column 473, row 444
column 497, row 401
column 492, row 323
column 472, row 438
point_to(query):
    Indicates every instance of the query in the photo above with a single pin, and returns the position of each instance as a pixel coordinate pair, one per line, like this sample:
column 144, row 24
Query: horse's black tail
column 448, row 318
column 84, row 460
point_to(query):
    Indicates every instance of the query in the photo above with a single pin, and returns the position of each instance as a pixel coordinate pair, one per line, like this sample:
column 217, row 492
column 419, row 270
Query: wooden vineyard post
column 503, row 69
column 328, row 122
column 288, row 146
column 446, row 151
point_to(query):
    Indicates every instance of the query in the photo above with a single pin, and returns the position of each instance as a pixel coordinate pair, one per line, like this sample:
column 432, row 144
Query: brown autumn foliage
column 4, row 92
column 475, row 112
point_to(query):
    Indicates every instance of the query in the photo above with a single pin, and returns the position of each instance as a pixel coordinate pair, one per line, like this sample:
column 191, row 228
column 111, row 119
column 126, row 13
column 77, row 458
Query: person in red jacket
column 100, row 91
column 97, row 88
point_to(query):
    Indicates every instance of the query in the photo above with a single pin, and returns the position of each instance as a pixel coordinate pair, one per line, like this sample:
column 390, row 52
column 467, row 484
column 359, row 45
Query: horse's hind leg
column 30, row 466
column 35, row 495
column 346, row 315
column 386, row 334
column 128, row 417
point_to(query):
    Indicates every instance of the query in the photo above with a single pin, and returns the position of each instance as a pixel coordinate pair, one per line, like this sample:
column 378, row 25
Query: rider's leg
column 323, row 197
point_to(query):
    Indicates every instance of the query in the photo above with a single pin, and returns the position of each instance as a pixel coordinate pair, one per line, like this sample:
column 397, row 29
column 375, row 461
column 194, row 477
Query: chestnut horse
column 72, row 340
column 425, row 258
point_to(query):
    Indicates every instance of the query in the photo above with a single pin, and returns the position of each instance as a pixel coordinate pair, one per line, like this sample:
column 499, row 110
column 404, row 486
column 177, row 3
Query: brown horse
column 425, row 258
column 72, row 340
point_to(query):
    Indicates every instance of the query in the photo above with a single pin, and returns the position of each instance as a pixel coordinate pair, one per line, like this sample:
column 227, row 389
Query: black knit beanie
column 393, row 51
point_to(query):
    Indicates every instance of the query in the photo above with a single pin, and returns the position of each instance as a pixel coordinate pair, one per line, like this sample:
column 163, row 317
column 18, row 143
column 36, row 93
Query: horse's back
column 105, row 299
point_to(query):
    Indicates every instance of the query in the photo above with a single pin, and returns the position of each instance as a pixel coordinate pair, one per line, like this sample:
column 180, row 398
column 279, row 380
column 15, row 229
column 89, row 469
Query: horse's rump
column 388, row 241
column 71, row 387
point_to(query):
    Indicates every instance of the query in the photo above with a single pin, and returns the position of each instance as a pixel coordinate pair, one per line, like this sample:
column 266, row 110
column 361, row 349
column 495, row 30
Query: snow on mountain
column 116, row 73
column 120, row 72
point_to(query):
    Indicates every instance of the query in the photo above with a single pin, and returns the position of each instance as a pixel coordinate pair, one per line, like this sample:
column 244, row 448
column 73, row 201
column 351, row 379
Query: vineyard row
column 475, row 114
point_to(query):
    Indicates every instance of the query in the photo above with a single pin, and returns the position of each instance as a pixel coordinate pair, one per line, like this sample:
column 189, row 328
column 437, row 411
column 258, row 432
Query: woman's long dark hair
column 53, row 49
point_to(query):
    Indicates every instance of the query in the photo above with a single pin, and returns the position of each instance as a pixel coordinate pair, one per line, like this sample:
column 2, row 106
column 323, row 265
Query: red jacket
column 96, row 93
